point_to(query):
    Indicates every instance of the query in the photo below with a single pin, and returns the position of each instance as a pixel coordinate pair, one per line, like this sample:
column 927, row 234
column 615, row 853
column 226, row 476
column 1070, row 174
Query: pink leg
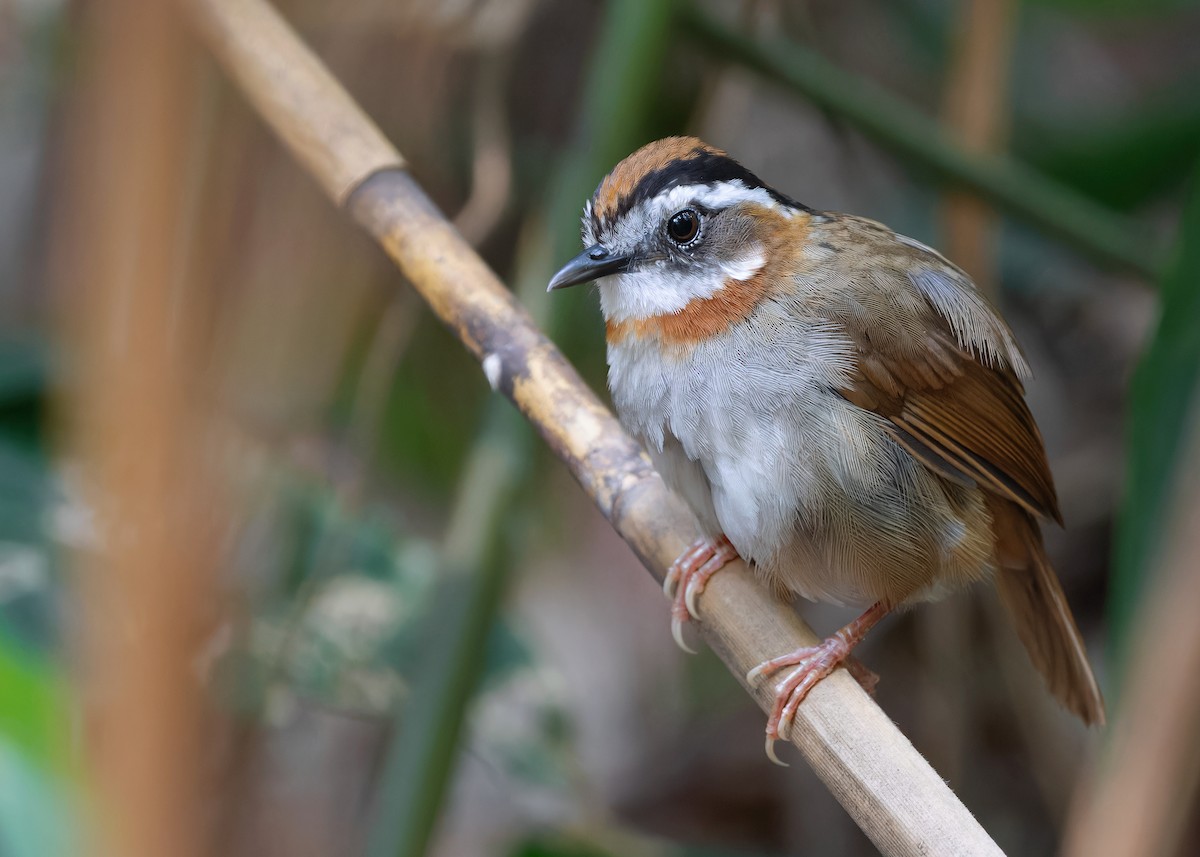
column 687, row 577
column 812, row 664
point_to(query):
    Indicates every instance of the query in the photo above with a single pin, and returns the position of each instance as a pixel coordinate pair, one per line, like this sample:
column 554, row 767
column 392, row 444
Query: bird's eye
column 683, row 226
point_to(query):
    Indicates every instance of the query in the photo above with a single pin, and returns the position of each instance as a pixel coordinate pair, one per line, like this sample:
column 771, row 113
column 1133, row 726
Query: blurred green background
column 427, row 640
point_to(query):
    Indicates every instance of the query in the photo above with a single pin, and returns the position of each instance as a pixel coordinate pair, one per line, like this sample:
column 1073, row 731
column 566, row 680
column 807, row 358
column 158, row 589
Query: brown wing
column 940, row 366
column 966, row 421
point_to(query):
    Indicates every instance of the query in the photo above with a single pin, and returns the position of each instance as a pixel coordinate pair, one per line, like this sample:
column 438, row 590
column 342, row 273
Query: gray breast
column 749, row 430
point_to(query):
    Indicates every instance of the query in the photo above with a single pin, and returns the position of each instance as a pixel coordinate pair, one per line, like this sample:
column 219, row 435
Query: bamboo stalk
column 134, row 423
column 1138, row 804
column 872, row 769
column 975, row 107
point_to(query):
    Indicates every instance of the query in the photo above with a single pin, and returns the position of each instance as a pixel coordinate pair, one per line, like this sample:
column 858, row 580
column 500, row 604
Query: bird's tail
column 1030, row 590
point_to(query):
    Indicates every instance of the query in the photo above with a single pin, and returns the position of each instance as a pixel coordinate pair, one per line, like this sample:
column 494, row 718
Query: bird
column 837, row 404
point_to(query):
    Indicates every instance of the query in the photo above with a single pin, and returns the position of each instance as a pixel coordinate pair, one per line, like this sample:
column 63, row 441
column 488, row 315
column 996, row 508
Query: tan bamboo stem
column 1138, row 803
column 134, row 424
column 872, row 769
column 976, row 112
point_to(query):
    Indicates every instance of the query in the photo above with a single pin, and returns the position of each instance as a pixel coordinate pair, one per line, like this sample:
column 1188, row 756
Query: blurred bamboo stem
column 1006, row 183
column 1138, row 805
column 491, row 163
column 872, row 769
column 975, row 112
column 134, row 419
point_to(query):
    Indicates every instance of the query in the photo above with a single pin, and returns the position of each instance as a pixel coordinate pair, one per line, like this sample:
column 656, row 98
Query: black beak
column 591, row 264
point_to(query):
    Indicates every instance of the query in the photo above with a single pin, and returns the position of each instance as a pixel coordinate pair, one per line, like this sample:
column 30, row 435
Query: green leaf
column 23, row 381
column 557, row 848
column 1120, row 161
column 25, row 492
column 34, row 711
column 1139, row 8
column 23, row 370
column 421, row 759
column 1162, row 402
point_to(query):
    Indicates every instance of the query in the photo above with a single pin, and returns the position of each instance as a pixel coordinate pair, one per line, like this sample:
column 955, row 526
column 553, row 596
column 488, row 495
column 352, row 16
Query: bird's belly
column 688, row 479
column 833, row 529
column 807, row 486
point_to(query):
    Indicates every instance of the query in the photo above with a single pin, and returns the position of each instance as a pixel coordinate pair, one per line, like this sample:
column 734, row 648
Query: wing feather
column 943, row 369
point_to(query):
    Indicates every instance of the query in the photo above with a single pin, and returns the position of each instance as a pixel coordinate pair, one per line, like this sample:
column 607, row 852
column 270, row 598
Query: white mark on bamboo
column 491, row 370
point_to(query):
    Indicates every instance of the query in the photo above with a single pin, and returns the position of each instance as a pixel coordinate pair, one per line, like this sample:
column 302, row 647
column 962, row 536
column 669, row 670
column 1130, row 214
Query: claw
column 677, row 633
column 697, row 581
column 678, row 568
column 670, row 581
column 686, row 578
column 695, row 587
column 771, row 753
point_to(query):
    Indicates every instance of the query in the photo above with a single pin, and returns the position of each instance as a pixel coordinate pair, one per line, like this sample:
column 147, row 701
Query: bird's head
column 678, row 225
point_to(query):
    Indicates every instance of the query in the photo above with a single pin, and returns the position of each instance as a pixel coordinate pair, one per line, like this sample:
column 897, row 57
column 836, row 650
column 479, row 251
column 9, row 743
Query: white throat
column 661, row 290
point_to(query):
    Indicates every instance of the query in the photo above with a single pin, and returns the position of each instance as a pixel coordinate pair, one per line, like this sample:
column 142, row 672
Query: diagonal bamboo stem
column 869, row 766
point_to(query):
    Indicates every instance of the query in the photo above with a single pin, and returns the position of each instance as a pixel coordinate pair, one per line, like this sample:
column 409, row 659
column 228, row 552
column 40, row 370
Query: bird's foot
column 687, row 577
column 813, row 663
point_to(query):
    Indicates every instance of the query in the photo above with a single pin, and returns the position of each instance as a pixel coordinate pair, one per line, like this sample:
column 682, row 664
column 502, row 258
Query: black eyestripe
column 701, row 167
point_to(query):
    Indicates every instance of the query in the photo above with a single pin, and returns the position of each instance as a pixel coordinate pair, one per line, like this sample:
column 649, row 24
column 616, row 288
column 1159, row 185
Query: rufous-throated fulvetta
column 837, row 404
